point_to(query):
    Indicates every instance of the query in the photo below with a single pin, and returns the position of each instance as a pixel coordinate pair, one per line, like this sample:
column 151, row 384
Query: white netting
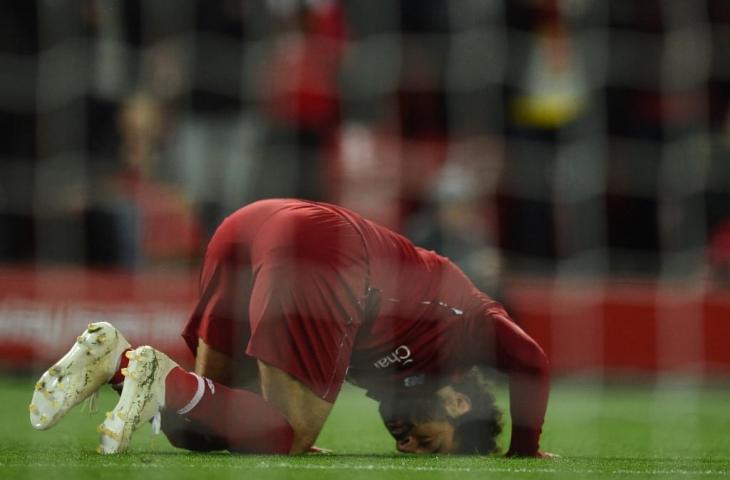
column 577, row 138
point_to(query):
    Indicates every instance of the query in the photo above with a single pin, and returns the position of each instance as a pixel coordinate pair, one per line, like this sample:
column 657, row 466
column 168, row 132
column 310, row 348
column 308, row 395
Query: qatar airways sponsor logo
column 401, row 355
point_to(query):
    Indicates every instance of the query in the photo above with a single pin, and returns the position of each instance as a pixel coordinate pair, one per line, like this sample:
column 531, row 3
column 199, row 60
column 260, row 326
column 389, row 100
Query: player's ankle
column 118, row 379
column 182, row 390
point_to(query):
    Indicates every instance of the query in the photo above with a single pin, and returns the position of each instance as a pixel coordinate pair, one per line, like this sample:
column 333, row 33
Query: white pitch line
column 486, row 469
column 383, row 468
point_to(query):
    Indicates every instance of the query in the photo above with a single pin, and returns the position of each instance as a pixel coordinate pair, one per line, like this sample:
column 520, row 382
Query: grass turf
column 658, row 431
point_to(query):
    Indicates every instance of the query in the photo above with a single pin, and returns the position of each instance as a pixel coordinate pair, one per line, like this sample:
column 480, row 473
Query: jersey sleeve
column 495, row 340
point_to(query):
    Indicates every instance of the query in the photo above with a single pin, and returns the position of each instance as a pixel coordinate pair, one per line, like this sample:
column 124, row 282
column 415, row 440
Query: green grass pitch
column 633, row 432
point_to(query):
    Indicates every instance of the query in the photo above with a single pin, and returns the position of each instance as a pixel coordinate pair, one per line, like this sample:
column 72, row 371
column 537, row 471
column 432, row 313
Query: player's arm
column 529, row 384
column 507, row 347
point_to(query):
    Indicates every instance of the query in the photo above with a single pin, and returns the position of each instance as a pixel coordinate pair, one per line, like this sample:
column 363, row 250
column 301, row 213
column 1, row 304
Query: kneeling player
column 296, row 296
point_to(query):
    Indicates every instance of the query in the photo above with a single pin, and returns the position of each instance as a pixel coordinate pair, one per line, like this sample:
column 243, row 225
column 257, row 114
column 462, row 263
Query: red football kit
column 324, row 294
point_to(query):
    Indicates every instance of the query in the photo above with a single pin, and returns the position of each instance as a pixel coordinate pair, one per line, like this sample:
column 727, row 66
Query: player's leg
column 242, row 421
column 190, row 435
column 286, row 407
column 213, row 364
column 305, row 312
column 306, row 315
column 217, row 332
column 305, row 411
column 92, row 361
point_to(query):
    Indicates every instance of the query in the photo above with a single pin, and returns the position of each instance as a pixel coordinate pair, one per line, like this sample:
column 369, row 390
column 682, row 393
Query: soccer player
column 295, row 298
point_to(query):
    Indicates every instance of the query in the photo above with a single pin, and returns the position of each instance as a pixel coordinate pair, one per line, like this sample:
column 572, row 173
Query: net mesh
column 553, row 149
column 580, row 137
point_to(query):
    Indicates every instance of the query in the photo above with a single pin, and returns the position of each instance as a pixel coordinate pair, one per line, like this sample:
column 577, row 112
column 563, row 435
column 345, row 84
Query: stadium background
column 573, row 156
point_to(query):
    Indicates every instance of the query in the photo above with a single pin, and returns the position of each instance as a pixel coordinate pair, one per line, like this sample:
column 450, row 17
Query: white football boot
column 87, row 366
column 143, row 396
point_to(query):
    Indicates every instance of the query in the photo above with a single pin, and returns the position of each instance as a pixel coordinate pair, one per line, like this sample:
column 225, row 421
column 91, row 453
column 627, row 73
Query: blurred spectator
column 719, row 254
column 19, row 38
column 459, row 220
column 552, row 91
column 394, row 88
column 718, row 207
column 365, row 172
column 656, row 97
column 596, row 106
column 300, row 96
column 548, row 108
column 149, row 221
column 214, row 152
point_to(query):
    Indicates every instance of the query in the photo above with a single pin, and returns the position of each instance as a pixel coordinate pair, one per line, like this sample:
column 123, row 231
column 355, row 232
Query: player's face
column 431, row 436
column 420, row 424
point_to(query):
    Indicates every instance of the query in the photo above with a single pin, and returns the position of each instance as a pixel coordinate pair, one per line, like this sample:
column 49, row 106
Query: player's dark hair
column 413, row 407
column 477, row 430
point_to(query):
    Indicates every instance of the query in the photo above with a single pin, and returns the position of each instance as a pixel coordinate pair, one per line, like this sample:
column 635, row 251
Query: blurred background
column 572, row 156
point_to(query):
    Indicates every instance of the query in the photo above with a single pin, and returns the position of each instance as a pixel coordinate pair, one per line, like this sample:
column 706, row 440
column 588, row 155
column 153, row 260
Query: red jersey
column 422, row 315
column 320, row 292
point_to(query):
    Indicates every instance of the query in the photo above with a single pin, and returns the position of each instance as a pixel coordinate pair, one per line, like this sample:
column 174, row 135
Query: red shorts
column 283, row 281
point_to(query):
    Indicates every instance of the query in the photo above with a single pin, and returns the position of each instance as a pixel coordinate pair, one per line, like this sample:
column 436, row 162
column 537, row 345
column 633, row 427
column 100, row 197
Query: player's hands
column 317, row 450
column 547, row 455
column 538, row 454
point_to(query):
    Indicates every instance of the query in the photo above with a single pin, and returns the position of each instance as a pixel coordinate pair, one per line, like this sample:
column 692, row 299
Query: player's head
column 460, row 417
